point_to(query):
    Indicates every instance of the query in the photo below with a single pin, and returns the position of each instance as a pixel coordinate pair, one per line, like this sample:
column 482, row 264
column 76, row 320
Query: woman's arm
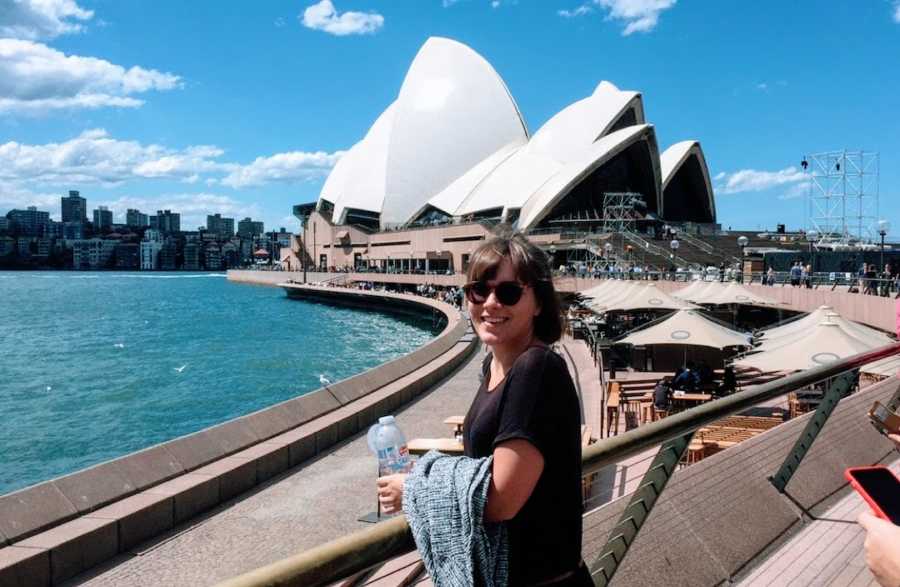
column 517, row 466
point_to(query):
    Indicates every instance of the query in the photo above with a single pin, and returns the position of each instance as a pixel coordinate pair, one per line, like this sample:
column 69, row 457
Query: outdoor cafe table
column 692, row 398
column 420, row 446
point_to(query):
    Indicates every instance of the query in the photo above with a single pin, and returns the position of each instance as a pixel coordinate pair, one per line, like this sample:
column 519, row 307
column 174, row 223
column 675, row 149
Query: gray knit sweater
column 444, row 499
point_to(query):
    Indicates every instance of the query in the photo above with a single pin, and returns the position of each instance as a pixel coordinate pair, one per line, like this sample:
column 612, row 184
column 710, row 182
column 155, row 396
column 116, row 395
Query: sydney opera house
column 453, row 155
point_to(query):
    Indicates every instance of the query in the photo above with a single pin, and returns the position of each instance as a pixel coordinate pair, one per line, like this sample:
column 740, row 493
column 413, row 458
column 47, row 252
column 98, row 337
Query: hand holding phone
column 884, row 420
column 880, row 488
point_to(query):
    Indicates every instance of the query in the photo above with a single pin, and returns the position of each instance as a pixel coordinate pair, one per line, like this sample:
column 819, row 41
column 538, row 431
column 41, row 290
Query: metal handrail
column 361, row 550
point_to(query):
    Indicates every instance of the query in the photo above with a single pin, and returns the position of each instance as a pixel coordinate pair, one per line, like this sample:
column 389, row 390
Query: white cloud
column 580, row 11
column 640, row 16
column 798, row 190
column 324, row 17
column 763, row 87
column 41, row 19
column 94, row 157
column 896, row 14
column 283, row 167
column 36, row 79
column 13, row 195
column 752, row 180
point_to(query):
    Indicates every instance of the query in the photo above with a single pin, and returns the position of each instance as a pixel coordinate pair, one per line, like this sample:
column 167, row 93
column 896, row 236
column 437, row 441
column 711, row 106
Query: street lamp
column 742, row 242
column 883, row 227
column 674, row 244
column 812, row 236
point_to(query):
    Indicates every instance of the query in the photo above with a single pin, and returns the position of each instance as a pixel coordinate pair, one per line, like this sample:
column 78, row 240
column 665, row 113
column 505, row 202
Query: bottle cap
column 386, row 420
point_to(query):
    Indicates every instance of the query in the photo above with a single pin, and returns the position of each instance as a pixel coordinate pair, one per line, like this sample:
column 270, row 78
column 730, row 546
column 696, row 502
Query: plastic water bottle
column 389, row 445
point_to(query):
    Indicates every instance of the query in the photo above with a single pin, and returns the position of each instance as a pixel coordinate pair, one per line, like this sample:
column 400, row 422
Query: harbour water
column 97, row 365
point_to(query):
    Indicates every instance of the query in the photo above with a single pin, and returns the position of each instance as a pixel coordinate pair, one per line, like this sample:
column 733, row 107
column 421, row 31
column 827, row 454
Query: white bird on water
column 119, row 345
column 180, row 369
column 49, row 387
column 324, row 381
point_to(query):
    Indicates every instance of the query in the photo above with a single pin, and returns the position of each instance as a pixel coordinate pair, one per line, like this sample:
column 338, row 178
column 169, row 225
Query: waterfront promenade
column 307, row 506
column 320, row 500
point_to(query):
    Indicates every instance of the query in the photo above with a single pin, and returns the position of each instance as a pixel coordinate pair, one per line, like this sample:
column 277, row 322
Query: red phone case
column 848, row 475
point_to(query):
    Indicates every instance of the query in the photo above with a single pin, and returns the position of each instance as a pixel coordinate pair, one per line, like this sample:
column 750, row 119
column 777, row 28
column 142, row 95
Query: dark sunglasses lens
column 477, row 292
column 509, row 293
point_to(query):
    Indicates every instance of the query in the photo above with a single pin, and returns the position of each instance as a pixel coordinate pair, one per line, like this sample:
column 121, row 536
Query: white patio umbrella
column 695, row 290
column 825, row 343
column 688, row 327
column 733, row 293
column 612, row 295
column 648, row 297
column 801, row 324
column 801, row 328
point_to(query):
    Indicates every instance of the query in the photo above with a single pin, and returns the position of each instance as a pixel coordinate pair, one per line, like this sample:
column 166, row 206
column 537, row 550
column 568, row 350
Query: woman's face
column 500, row 326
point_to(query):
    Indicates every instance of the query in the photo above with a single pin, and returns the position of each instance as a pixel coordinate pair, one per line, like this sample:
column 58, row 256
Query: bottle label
column 393, row 459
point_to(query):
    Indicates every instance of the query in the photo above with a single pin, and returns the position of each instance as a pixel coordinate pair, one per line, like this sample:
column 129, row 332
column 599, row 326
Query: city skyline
column 135, row 122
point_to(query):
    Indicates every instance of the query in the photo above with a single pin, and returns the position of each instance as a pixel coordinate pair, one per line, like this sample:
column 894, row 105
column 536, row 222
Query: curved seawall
column 59, row 528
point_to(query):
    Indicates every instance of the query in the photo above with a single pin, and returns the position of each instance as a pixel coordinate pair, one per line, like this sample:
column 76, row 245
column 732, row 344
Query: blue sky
column 242, row 108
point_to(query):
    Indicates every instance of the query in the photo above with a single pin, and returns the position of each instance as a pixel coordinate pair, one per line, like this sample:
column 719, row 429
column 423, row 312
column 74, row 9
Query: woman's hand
column 390, row 492
column 882, row 549
column 896, row 439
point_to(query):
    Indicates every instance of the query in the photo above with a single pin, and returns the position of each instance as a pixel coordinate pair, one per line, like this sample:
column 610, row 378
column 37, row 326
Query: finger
column 868, row 520
column 895, row 437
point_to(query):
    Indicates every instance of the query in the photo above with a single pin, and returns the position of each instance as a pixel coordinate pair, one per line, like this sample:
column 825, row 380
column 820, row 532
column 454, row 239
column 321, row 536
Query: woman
column 526, row 414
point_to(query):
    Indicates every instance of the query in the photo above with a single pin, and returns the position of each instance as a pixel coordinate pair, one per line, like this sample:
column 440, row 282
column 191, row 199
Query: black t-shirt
column 536, row 402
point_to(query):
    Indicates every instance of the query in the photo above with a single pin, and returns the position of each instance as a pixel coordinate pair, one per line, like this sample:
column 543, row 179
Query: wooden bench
column 420, row 446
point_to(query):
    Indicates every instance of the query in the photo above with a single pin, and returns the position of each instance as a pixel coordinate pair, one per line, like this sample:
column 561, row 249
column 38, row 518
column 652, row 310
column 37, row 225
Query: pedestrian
column 526, row 417
column 796, row 273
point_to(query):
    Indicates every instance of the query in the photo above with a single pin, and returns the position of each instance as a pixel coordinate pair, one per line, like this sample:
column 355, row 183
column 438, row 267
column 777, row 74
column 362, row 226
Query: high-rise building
column 191, row 256
column 168, row 255
column 128, row 256
column 213, row 257
column 73, row 230
column 93, row 253
column 248, row 228
column 103, row 219
column 74, row 207
column 224, row 227
column 150, row 254
column 135, row 219
column 4, row 224
column 166, row 221
column 29, row 222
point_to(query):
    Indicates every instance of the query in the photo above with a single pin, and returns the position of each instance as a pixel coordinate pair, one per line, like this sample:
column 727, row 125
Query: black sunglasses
column 507, row 293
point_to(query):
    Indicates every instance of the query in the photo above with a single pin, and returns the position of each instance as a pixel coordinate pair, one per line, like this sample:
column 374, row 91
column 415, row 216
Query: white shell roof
column 364, row 184
column 570, row 131
column 453, row 111
column 672, row 159
column 515, row 172
column 598, row 153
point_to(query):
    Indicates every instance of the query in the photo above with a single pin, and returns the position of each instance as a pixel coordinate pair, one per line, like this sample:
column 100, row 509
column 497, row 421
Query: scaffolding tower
column 842, row 201
column 620, row 211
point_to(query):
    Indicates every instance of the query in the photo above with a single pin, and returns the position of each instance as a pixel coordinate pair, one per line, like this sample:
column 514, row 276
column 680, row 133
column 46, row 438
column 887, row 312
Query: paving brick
column 24, row 567
column 77, row 545
column 139, row 517
column 28, row 511
column 192, row 494
column 236, row 475
column 96, row 486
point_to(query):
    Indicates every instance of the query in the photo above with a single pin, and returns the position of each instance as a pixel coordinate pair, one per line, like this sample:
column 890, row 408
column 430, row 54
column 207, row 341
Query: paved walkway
column 307, row 506
column 827, row 552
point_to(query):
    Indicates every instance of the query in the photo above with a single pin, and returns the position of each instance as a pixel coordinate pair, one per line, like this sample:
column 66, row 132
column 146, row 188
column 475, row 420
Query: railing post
column 639, row 507
column 838, row 388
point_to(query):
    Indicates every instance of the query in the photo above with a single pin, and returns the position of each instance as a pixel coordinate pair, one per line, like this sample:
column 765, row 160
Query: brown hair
column 532, row 267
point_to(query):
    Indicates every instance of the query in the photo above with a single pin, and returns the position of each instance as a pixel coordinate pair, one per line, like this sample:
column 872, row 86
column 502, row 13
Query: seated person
column 704, row 373
column 687, row 380
column 662, row 394
column 729, row 383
